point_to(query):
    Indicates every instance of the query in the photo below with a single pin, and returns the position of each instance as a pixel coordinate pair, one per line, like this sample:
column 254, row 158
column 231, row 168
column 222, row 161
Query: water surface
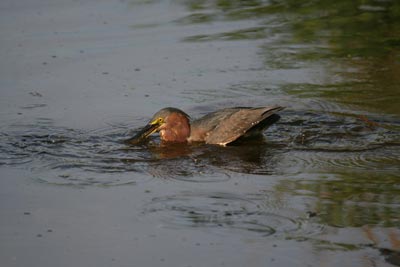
column 321, row 185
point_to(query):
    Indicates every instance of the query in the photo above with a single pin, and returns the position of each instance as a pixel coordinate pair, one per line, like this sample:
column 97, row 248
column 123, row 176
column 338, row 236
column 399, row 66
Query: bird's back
column 227, row 125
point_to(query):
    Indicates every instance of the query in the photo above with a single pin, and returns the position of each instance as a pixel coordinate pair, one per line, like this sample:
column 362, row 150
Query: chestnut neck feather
column 176, row 128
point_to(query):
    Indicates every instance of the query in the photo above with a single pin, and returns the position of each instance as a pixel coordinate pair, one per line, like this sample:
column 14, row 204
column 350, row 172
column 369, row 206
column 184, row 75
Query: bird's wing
column 202, row 127
column 238, row 123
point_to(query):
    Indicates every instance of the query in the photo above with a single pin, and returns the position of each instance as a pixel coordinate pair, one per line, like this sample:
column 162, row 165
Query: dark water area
column 320, row 187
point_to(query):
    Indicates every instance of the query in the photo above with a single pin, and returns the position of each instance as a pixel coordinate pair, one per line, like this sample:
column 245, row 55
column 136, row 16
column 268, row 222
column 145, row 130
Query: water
column 321, row 185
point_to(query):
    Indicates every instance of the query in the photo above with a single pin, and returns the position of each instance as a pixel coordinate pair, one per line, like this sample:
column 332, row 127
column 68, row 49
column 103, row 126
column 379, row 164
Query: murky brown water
column 320, row 188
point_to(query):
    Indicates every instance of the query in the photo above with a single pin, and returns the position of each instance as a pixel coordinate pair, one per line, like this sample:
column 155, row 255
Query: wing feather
column 238, row 123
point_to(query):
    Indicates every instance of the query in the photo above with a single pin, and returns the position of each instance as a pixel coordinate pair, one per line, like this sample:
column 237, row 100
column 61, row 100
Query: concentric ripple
column 62, row 156
column 303, row 141
column 224, row 211
column 324, row 142
column 100, row 157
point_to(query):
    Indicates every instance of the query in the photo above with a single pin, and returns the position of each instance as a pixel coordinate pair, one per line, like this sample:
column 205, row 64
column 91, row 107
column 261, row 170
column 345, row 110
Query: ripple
column 382, row 160
column 378, row 160
column 73, row 157
column 224, row 212
column 189, row 170
column 303, row 141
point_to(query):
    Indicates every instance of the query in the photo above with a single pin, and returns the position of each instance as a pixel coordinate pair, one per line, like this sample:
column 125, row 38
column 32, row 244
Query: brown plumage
column 221, row 127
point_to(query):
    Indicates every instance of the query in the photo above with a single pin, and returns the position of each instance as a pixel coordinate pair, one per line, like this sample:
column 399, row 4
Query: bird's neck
column 177, row 129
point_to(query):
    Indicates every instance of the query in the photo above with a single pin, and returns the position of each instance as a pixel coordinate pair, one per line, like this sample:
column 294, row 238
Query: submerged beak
column 147, row 130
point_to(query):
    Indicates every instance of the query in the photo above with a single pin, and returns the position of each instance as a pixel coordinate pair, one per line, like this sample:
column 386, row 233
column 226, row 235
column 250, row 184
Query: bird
column 221, row 127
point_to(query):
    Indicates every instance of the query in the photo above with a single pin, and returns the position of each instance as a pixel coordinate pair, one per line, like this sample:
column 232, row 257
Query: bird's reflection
column 164, row 151
column 209, row 162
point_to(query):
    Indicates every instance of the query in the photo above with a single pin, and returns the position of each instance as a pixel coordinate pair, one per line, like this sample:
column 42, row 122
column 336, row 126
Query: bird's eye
column 159, row 120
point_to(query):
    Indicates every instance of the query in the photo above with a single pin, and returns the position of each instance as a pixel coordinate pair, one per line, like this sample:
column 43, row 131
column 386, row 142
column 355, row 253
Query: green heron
column 221, row 127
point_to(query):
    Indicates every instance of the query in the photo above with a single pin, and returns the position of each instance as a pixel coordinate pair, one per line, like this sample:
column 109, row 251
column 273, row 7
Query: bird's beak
column 146, row 131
